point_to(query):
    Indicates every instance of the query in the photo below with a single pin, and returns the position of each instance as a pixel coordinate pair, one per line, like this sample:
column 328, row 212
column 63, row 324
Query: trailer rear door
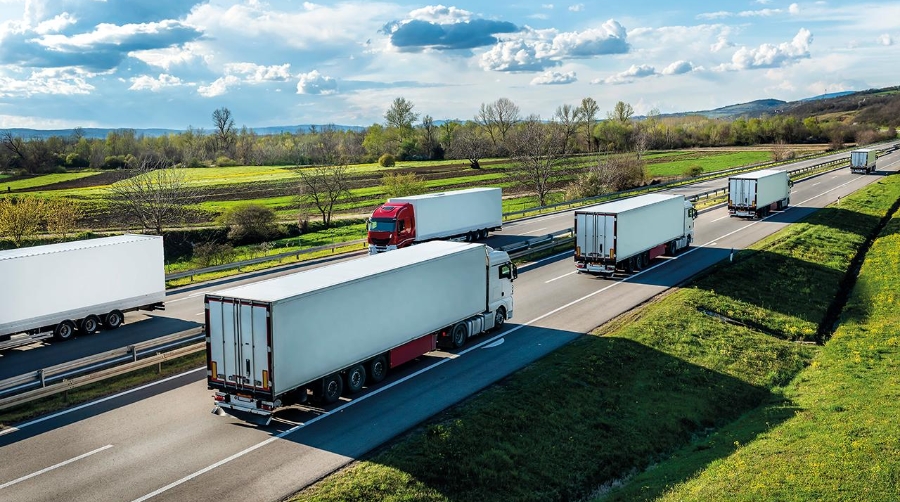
column 238, row 332
column 595, row 234
column 743, row 192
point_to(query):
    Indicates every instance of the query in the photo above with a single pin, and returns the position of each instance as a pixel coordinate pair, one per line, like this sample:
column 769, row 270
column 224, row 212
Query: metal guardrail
column 62, row 372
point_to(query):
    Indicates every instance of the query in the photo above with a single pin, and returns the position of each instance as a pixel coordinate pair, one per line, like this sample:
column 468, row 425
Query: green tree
column 249, row 222
column 61, row 217
column 400, row 116
column 622, row 112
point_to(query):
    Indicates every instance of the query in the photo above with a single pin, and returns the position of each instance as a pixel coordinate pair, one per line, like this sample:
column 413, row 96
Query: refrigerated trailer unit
column 627, row 234
column 755, row 194
column 82, row 286
column 461, row 214
column 863, row 161
column 330, row 330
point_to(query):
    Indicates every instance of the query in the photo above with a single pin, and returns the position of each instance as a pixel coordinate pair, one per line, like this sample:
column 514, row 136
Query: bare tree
column 622, row 112
column 567, row 116
column 322, row 187
column 587, row 114
column 468, row 143
column 20, row 219
column 537, row 149
column 497, row 119
column 154, row 194
column 224, row 131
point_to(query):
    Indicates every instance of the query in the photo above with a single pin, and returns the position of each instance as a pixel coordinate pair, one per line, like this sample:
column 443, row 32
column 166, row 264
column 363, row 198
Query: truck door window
column 505, row 271
column 401, row 226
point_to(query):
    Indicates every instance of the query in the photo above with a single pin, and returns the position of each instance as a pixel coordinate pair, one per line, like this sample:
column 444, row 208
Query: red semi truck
column 458, row 215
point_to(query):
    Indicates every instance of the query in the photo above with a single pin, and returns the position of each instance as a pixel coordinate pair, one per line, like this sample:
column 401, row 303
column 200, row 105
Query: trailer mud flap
column 246, row 416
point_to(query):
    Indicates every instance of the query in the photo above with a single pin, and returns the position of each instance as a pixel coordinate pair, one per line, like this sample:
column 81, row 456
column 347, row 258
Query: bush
column 387, row 160
column 403, row 185
column 250, row 223
column 212, row 253
column 694, row 170
column 224, row 161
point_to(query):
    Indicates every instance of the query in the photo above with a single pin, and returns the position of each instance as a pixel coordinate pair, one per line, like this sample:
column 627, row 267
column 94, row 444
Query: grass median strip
column 658, row 378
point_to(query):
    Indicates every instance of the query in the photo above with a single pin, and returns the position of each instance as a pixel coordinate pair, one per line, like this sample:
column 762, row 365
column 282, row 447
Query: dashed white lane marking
column 57, row 466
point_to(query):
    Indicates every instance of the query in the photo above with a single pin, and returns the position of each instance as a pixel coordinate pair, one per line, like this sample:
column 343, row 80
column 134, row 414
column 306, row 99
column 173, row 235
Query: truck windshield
column 381, row 225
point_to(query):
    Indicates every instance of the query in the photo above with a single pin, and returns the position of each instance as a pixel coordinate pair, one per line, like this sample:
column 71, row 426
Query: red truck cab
column 392, row 226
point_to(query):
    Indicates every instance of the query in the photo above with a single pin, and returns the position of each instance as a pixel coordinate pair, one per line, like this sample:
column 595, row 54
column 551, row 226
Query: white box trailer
column 757, row 193
column 628, row 233
column 863, row 161
column 84, row 285
column 329, row 330
column 461, row 214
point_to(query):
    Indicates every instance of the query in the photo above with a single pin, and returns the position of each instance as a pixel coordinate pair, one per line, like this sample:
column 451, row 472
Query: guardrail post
column 133, row 351
column 40, row 374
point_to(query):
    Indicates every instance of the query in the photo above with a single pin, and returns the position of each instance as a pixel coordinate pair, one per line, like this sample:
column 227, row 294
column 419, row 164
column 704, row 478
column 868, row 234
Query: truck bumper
column 373, row 249
column 595, row 268
column 245, row 408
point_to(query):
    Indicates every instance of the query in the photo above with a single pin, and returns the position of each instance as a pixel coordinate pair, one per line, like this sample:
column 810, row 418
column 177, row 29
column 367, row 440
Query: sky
column 171, row 63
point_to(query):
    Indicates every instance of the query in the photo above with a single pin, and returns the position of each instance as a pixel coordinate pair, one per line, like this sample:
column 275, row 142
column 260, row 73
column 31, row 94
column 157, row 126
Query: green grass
column 647, row 384
column 709, row 162
column 45, row 179
column 833, row 436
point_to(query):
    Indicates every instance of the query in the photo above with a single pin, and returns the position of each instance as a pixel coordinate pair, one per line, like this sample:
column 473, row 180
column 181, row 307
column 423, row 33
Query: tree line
column 404, row 136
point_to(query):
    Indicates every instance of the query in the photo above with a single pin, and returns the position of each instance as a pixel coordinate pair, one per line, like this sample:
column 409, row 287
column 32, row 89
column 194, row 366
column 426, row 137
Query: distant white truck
column 863, row 161
column 330, row 330
column 627, row 234
column 460, row 214
column 756, row 194
column 61, row 289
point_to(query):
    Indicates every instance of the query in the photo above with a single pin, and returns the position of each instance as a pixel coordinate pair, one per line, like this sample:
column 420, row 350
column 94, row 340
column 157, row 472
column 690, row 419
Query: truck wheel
column 378, row 369
column 89, row 324
column 499, row 318
column 64, row 330
column 113, row 319
column 458, row 335
column 332, row 388
column 356, row 378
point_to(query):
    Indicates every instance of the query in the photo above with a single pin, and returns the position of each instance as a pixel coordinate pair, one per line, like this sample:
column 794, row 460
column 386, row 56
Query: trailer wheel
column 113, row 319
column 89, row 324
column 378, row 369
column 356, row 378
column 458, row 335
column 332, row 388
column 64, row 330
column 499, row 318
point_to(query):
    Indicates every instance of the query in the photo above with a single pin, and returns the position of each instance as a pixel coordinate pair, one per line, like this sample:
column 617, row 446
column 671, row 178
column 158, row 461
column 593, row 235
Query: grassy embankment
column 657, row 379
column 835, row 436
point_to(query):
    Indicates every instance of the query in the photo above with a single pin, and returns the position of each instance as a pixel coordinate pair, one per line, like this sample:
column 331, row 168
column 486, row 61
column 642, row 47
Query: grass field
column 660, row 378
column 709, row 162
column 45, row 179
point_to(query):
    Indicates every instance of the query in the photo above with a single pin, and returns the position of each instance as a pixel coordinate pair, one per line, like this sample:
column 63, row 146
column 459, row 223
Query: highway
column 161, row 442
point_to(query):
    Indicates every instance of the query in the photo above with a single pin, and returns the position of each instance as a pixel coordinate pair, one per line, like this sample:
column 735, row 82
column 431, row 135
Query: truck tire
column 64, row 330
column 355, row 379
column 332, row 388
column 458, row 335
column 113, row 320
column 89, row 324
column 378, row 369
column 499, row 318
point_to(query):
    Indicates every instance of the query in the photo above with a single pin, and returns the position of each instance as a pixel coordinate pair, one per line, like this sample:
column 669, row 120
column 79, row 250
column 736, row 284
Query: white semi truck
column 331, row 330
column 755, row 194
column 62, row 289
column 627, row 234
column 863, row 161
column 461, row 214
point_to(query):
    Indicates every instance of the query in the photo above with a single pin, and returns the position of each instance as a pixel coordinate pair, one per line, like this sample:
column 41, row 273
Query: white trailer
column 330, row 330
column 863, row 161
column 85, row 285
column 461, row 214
column 755, row 194
column 629, row 233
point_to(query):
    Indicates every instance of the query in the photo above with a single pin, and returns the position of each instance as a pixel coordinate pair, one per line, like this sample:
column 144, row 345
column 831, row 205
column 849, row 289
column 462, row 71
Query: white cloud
column 255, row 73
column 679, row 68
column 52, row 81
column 146, row 82
column 554, row 78
column 885, row 39
column 628, row 76
column 316, row 83
column 794, row 9
column 771, row 56
column 722, row 14
column 715, row 15
column 219, row 86
column 440, row 14
column 55, row 24
column 577, row 7
column 168, row 57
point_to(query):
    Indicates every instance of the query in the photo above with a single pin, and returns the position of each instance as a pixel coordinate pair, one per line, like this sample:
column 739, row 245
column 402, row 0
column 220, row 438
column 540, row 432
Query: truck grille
column 379, row 242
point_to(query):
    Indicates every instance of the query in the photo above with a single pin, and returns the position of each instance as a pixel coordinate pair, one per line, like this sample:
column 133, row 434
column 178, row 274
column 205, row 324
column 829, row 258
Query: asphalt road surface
column 161, row 442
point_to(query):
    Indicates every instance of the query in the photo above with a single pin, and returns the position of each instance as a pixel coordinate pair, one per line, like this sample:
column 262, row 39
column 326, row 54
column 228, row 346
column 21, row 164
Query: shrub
column 211, row 253
column 694, row 170
column 387, row 160
column 224, row 161
column 249, row 223
column 403, row 185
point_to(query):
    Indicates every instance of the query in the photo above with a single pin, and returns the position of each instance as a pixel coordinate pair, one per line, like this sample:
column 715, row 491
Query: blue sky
column 170, row 63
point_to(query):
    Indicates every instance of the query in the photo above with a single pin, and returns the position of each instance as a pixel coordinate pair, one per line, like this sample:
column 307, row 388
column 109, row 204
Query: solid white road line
column 48, row 469
column 722, row 218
